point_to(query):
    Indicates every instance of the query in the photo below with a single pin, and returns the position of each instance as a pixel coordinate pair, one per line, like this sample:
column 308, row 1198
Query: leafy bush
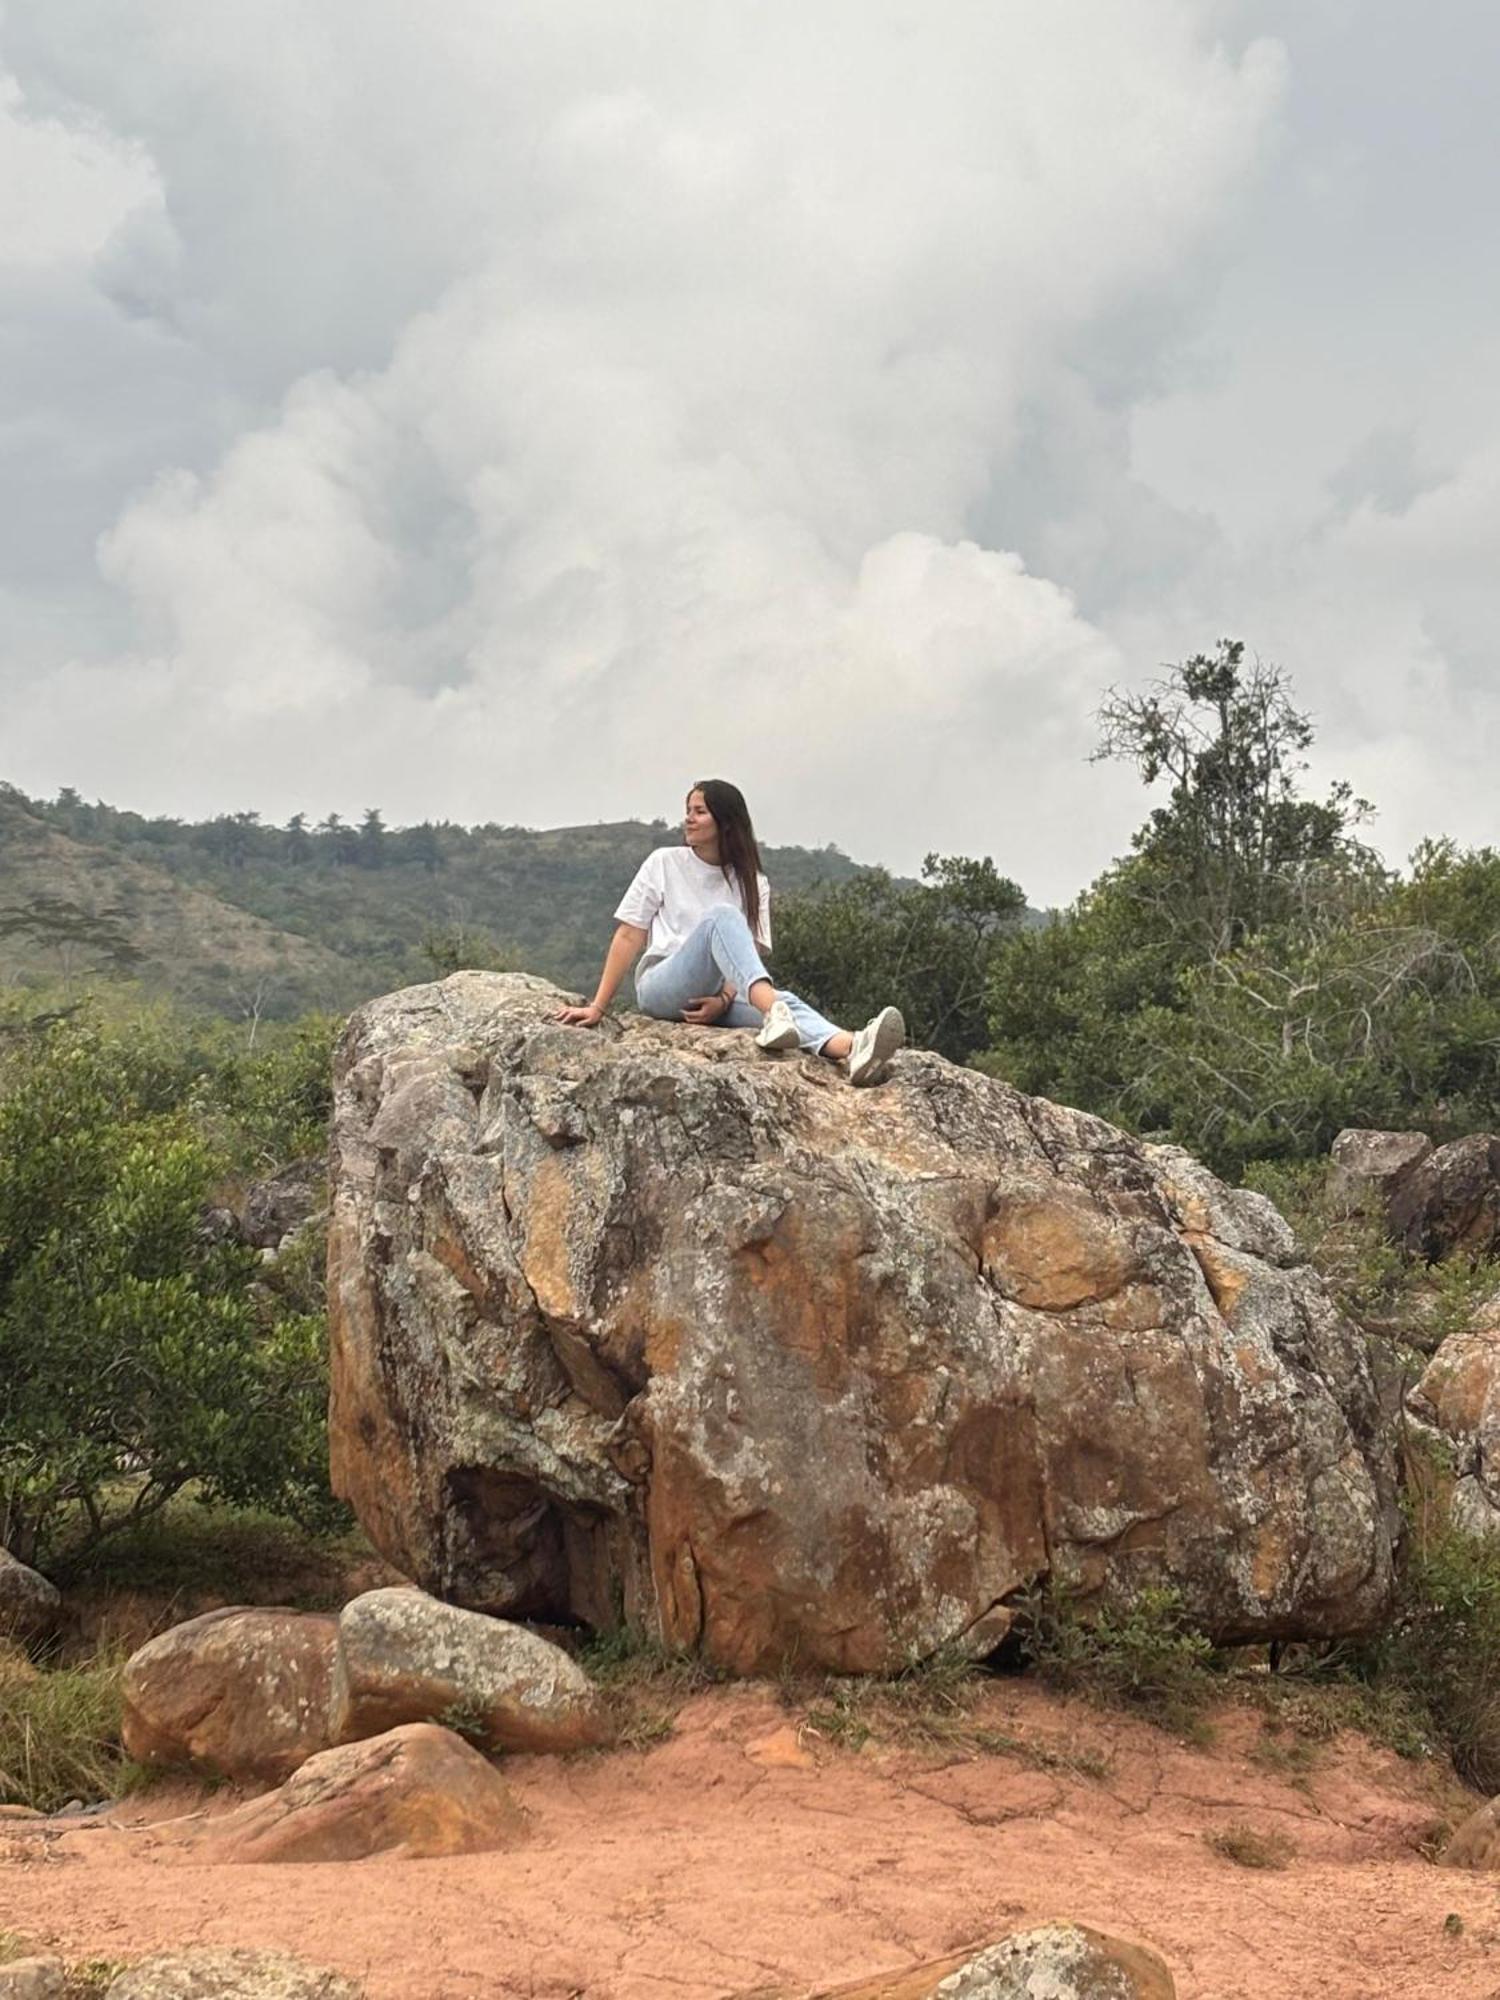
column 1442, row 1647
column 1147, row 1656
column 925, row 947
column 1381, row 1288
column 275, row 1101
column 136, row 1354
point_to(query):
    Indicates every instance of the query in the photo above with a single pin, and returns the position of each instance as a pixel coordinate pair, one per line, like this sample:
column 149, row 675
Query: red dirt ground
column 748, row 1855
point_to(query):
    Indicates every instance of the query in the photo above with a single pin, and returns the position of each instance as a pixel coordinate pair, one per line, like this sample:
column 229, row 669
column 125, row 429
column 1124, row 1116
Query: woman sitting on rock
column 701, row 912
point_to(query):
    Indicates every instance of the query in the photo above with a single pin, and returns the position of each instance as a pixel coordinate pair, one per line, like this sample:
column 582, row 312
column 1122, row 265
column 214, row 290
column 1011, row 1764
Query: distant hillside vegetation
column 239, row 917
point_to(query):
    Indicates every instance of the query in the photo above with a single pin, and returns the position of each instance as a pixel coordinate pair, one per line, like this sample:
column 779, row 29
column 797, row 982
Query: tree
column 455, row 947
column 422, row 844
column 1226, row 850
column 342, row 840
column 927, row 947
column 1112, row 1007
column 297, row 841
column 233, row 837
column 80, row 937
column 371, row 845
column 1373, row 1003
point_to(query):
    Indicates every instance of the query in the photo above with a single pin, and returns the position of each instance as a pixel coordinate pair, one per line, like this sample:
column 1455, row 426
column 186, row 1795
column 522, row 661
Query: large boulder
column 415, row 1792
column 639, row 1325
column 1450, row 1202
column 29, row 1604
column 405, row 1657
column 1366, row 1167
column 242, row 1692
column 1458, row 1399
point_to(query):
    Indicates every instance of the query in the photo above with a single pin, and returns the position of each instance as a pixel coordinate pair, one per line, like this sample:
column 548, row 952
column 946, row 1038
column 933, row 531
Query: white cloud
column 634, row 386
column 64, row 188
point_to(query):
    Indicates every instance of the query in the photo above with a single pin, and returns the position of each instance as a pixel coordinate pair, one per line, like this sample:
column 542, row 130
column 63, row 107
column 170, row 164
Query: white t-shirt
column 673, row 892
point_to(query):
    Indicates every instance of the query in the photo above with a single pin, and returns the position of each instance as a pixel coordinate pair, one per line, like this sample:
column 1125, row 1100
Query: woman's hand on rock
column 580, row 1017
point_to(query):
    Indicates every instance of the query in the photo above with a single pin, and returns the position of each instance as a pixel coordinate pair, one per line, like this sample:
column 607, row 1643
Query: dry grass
column 644, row 1686
column 939, row 1704
column 1247, row 1847
column 60, row 1732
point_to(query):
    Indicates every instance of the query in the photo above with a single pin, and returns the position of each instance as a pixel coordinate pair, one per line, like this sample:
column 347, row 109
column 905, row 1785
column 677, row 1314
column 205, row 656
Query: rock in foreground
column 404, row 1657
column 242, row 1692
column 416, row 1792
column 33, row 1979
column 210, row 1973
column 638, row 1325
column 1057, row 1961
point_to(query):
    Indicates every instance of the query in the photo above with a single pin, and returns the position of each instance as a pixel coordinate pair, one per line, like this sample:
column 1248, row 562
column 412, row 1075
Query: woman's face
column 699, row 827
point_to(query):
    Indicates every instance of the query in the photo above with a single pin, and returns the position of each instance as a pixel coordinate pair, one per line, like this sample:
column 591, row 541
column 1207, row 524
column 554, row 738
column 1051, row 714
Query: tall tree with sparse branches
column 1227, row 850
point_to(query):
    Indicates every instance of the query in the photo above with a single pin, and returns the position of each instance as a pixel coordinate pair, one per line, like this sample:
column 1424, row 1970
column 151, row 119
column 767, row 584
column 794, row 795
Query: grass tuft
column 644, row 1684
column 60, row 1733
column 1247, row 1847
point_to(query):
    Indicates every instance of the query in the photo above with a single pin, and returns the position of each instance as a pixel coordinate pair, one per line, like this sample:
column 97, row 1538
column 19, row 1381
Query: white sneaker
column 874, row 1046
column 778, row 1030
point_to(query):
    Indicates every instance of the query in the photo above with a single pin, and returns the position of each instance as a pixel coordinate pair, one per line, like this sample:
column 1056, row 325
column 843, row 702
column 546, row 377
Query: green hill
column 231, row 915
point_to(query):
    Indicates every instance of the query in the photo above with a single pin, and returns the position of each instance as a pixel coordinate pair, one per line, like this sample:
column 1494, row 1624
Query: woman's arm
column 625, row 947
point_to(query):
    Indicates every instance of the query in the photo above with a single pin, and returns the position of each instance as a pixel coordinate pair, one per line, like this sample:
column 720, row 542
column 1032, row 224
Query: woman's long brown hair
column 739, row 856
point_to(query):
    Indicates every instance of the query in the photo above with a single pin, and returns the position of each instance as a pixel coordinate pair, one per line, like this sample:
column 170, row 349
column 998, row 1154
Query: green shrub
column 1371, row 1278
column 1147, row 1655
column 136, row 1355
column 275, row 1100
column 1442, row 1647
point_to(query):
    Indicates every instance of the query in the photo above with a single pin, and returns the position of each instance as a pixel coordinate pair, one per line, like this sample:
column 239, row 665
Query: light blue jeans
column 720, row 952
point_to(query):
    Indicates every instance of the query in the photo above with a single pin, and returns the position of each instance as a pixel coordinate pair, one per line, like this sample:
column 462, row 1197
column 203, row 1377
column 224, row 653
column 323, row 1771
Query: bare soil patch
column 752, row 1853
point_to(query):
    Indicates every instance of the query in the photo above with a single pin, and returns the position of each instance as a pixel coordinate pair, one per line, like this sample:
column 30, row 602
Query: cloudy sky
column 513, row 412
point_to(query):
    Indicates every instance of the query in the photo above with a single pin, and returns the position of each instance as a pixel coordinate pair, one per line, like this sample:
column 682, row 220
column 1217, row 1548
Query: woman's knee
column 726, row 919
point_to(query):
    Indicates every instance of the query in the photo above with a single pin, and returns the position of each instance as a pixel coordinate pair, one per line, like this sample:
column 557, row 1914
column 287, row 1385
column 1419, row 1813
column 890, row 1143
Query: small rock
column 208, row 1973
column 1476, row 1843
column 1059, row 1961
column 1062, row 1961
column 418, row 1791
column 1458, row 1398
column 242, row 1692
column 33, row 1979
column 406, row 1657
column 29, row 1604
column 273, row 1208
column 1450, row 1202
column 1364, row 1167
column 218, row 1225
column 782, row 1750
